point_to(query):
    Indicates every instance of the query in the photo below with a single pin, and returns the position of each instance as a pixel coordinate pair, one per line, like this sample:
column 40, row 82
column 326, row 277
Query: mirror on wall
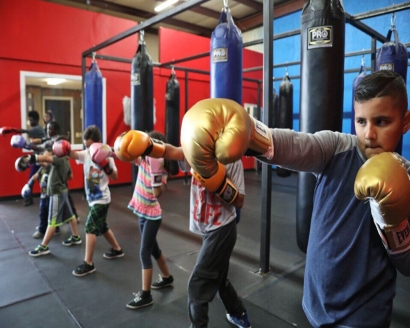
column 60, row 94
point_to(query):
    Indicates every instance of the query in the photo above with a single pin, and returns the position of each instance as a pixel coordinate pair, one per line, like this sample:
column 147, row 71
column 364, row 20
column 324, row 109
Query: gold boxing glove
column 220, row 130
column 132, row 144
column 219, row 183
column 384, row 181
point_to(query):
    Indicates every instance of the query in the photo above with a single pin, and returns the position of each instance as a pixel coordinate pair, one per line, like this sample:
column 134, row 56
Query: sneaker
column 38, row 234
column 162, row 282
column 72, row 240
column 112, row 253
column 241, row 321
column 139, row 302
column 40, row 250
column 84, row 269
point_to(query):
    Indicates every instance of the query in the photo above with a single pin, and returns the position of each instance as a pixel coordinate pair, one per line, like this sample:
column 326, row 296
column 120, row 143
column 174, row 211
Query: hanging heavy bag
column 142, row 97
column 393, row 56
column 285, row 113
column 172, row 104
column 226, row 59
column 322, row 86
column 93, row 89
column 356, row 81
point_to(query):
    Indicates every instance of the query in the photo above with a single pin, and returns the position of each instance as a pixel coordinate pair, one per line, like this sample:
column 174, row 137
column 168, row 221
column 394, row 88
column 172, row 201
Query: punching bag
column 285, row 113
column 93, row 89
column 142, row 97
column 356, row 81
column 226, row 59
column 172, row 116
column 393, row 56
column 322, row 86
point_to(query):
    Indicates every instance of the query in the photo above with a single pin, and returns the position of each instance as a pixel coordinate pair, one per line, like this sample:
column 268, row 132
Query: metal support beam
column 267, row 109
column 149, row 22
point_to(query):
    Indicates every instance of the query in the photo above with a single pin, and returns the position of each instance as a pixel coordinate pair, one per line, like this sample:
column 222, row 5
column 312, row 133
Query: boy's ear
column 406, row 125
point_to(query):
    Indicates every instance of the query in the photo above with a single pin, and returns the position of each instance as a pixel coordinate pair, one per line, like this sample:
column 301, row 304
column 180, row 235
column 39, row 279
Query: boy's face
column 88, row 143
column 50, row 130
column 379, row 125
column 32, row 121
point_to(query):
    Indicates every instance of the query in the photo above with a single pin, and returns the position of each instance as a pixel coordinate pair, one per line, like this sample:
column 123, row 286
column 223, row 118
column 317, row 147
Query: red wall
column 44, row 37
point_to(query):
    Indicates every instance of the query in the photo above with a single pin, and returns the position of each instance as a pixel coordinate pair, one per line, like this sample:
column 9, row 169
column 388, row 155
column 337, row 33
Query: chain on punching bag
column 393, row 56
column 322, row 86
column 172, row 105
column 142, row 97
column 356, row 81
column 285, row 113
column 93, row 97
column 226, row 58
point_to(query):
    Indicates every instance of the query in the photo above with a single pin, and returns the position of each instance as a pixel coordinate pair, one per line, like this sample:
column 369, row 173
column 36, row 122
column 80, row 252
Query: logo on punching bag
column 135, row 79
column 320, row 37
column 219, row 55
column 386, row 67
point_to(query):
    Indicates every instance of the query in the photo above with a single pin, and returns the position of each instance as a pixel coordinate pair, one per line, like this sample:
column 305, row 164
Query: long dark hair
column 159, row 136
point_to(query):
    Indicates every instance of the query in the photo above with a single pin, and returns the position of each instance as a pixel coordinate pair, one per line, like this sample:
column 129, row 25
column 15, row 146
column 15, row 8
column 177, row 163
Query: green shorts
column 96, row 223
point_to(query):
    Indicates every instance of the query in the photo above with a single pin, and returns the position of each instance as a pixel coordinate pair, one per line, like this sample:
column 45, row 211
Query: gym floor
column 42, row 292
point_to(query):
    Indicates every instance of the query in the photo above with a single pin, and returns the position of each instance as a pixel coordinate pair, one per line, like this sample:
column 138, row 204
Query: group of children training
column 345, row 232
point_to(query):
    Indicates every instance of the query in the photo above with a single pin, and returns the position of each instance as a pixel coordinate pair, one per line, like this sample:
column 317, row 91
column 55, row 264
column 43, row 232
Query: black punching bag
column 142, row 97
column 285, row 113
column 172, row 116
column 322, row 86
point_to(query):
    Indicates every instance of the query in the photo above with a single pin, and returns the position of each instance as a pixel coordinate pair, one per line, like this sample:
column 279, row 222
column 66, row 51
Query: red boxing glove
column 7, row 130
column 61, row 148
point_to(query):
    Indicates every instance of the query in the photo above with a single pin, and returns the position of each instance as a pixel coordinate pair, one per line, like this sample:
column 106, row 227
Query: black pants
column 149, row 244
column 210, row 276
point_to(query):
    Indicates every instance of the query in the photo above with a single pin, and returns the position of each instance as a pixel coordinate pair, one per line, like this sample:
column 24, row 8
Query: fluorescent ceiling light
column 164, row 5
column 55, row 81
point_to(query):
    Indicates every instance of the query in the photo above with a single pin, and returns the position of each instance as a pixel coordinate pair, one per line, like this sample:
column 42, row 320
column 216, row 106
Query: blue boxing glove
column 18, row 141
column 23, row 162
column 26, row 191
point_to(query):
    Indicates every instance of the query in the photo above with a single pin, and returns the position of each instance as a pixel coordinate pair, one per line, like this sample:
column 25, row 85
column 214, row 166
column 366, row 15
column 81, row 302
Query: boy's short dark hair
column 55, row 125
column 34, row 115
column 384, row 83
column 92, row 132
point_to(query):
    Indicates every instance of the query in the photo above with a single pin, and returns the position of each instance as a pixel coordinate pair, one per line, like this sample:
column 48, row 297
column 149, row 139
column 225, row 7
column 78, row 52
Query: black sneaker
column 28, row 202
column 112, row 253
column 40, row 250
column 84, row 269
column 139, row 302
column 162, row 282
column 73, row 240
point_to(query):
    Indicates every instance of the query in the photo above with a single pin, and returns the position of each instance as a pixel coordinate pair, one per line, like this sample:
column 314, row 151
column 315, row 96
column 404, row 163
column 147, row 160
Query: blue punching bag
column 93, row 98
column 226, row 59
column 142, row 96
column 393, row 56
column 356, row 81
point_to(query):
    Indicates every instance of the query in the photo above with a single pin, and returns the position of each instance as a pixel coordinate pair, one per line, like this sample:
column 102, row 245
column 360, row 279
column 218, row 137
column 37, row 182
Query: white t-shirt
column 207, row 211
column 95, row 179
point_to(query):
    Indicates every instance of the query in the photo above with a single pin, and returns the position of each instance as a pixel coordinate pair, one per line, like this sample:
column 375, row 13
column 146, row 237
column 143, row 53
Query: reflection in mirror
column 60, row 95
